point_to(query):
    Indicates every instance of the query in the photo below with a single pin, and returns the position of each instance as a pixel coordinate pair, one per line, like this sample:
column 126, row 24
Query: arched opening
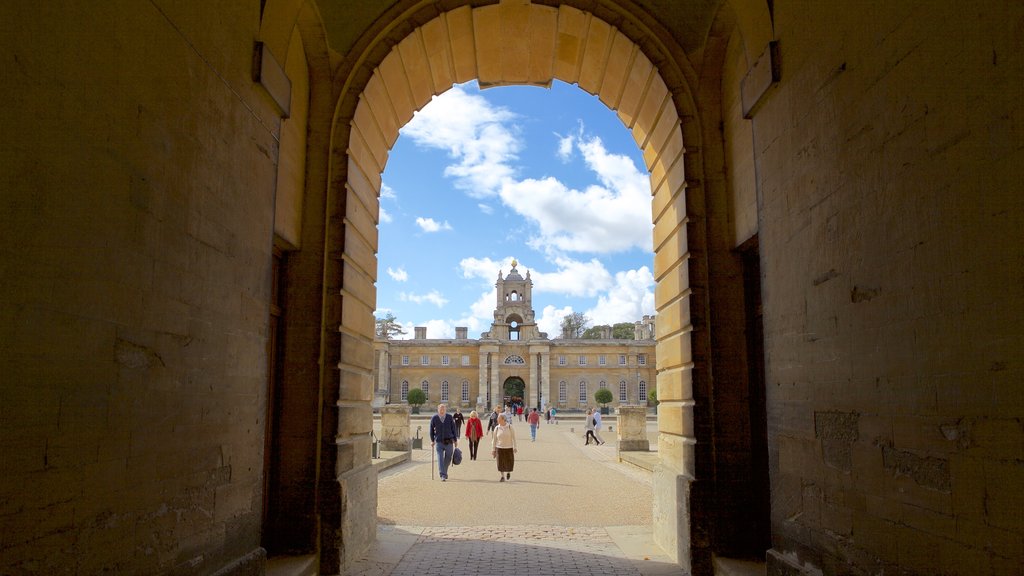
column 511, row 43
column 514, row 390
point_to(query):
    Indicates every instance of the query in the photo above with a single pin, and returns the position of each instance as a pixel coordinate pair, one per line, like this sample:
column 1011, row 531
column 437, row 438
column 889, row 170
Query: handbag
column 457, row 457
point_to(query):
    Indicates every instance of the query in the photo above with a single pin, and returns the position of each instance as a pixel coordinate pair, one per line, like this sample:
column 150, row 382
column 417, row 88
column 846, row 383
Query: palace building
column 514, row 361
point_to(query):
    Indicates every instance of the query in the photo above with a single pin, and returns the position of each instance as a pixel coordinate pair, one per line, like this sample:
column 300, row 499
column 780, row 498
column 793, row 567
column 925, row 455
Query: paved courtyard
column 569, row 509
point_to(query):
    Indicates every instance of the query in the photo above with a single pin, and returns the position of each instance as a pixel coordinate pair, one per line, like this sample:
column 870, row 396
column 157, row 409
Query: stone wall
column 137, row 225
column 889, row 168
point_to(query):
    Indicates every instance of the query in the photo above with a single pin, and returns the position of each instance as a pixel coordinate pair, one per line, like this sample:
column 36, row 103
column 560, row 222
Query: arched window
column 465, row 390
column 515, row 359
column 562, row 391
column 623, row 395
column 444, row 391
column 405, row 390
column 425, row 386
column 583, row 391
column 643, row 392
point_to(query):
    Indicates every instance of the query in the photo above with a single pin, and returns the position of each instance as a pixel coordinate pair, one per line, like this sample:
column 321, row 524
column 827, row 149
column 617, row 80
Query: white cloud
column 573, row 278
column 399, row 275
column 431, row 225
column 612, row 217
column 433, row 297
column 628, row 300
column 565, row 146
column 387, row 191
column 550, row 320
column 484, row 269
column 474, row 133
column 384, row 215
column 485, row 208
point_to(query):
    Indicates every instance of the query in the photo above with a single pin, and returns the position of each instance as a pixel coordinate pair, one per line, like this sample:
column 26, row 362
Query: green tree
column 652, row 396
column 574, row 324
column 592, row 333
column 416, row 397
column 623, row 331
column 388, row 326
column 603, row 396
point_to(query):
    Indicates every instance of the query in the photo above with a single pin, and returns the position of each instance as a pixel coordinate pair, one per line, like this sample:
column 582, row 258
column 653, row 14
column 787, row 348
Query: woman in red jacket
column 474, row 432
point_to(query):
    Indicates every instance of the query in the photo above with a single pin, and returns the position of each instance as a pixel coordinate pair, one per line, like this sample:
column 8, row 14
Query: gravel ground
column 557, row 481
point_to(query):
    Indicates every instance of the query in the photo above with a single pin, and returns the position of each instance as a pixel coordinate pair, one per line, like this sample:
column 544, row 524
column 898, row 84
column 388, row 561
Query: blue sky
column 550, row 177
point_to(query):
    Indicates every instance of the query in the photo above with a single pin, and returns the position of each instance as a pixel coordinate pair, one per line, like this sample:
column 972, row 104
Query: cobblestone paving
column 514, row 550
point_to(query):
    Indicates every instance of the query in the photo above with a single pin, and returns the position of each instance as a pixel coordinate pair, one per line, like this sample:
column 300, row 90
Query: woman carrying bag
column 503, row 447
column 474, row 432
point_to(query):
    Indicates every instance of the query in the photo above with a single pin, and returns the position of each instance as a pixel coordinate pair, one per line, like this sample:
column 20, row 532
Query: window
column 405, row 390
column 465, row 390
column 641, row 359
column 515, row 359
column 622, row 359
column 562, row 394
column 445, row 360
column 643, row 392
column 622, row 391
column 561, row 360
column 424, row 360
column 583, row 360
column 601, row 361
column 465, row 360
column 425, row 386
column 405, row 360
column 583, row 391
column 444, row 391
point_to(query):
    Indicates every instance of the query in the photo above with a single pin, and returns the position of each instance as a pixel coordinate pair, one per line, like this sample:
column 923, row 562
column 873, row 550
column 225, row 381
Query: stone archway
column 514, row 387
column 522, row 43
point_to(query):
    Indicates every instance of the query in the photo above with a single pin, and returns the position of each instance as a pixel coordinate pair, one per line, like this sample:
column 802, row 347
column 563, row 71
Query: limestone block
column 358, row 250
column 358, row 528
column 463, row 43
column 543, row 36
column 515, row 38
column 666, row 127
column 397, row 84
column 635, row 84
column 674, row 351
column 674, row 318
column 619, row 60
column 674, row 283
column 360, row 154
column 668, row 185
column 417, row 68
column 438, row 48
column 365, row 186
column 674, row 249
column 373, row 138
column 676, row 453
column 359, row 285
column 394, row 427
column 375, row 95
column 362, row 218
column 632, row 428
column 571, row 40
column 488, row 40
column 654, row 102
column 595, row 56
column 671, row 514
column 675, row 384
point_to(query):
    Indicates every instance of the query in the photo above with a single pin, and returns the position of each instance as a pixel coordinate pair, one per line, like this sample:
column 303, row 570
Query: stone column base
column 634, row 445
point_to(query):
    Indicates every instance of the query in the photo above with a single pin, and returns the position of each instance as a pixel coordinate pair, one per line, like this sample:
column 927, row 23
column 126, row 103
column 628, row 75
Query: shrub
column 603, row 396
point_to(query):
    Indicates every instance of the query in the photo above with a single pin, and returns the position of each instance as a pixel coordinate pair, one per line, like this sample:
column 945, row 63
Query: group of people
column 446, row 429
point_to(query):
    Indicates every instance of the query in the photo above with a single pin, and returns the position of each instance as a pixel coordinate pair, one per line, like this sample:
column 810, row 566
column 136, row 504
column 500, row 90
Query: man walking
column 597, row 426
column 444, row 437
column 534, row 420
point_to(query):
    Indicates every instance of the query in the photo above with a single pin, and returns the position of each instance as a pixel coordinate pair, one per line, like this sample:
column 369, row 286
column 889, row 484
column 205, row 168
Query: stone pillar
column 394, row 428
column 531, row 400
column 632, row 434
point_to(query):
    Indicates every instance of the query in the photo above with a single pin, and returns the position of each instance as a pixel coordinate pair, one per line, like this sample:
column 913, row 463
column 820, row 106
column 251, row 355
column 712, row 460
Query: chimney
column 421, row 332
column 460, row 332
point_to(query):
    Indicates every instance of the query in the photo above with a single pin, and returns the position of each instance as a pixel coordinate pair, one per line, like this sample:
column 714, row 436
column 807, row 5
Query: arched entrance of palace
column 514, row 390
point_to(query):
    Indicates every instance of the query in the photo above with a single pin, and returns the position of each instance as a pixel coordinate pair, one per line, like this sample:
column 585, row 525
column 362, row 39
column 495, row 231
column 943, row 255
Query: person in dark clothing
column 459, row 420
column 492, row 422
column 444, row 438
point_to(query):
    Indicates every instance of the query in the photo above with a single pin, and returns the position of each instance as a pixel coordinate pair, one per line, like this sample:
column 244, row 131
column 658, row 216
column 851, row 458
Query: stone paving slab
column 569, row 509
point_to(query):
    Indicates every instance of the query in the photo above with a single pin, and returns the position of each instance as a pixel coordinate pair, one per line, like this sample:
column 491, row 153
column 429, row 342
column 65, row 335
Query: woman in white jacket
column 503, row 447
